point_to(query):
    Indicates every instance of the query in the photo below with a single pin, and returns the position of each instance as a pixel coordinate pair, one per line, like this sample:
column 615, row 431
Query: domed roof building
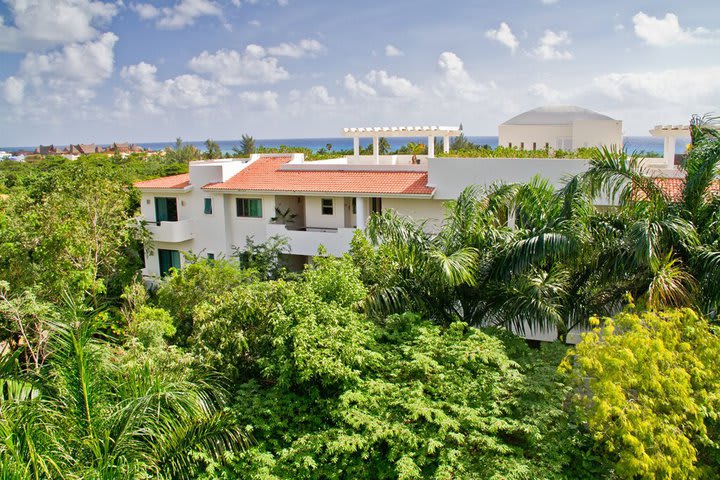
column 560, row 127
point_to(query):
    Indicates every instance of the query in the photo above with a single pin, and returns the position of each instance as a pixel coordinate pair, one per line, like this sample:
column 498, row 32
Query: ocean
column 632, row 144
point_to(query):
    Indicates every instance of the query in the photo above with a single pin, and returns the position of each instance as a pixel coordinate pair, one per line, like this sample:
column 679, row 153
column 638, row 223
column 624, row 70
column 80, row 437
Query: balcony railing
column 307, row 240
column 171, row 232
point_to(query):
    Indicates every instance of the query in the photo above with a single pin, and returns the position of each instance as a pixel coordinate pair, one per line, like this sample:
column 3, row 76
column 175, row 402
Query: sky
column 82, row 71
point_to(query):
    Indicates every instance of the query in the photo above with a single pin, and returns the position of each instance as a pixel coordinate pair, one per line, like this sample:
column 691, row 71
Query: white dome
column 556, row 115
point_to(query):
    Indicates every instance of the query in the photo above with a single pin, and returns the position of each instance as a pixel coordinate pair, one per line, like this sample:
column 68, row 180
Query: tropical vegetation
column 399, row 360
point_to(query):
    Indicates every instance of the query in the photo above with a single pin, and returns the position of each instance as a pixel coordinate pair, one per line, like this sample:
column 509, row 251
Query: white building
column 560, row 128
column 220, row 203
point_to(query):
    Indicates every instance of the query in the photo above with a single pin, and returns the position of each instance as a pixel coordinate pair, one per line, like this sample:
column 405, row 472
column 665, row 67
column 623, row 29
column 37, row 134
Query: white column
column 446, row 144
column 376, row 148
column 431, row 147
column 356, row 146
column 360, row 218
column 669, row 151
column 511, row 216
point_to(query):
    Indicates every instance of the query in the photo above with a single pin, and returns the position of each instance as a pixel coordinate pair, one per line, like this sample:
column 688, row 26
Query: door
column 168, row 259
column 166, row 209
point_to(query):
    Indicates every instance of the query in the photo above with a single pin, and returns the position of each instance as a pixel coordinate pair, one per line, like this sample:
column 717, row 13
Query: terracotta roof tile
column 265, row 174
column 673, row 187
column 171, row 182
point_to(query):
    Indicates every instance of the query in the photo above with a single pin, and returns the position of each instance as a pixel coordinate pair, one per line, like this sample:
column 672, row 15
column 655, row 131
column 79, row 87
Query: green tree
column 383, row 146
column 182, row 153
column 89, row 416
column 646, row 384
column 247, row 146
column 212, row 150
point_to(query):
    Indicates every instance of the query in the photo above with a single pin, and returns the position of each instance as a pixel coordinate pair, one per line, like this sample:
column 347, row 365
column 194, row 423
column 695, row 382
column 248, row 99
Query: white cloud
column 13, row 90
column 41, row 24
column 183, row 91
column 255, row 23
column 504, row 35
column 266, row 100
column 549, row 46
column 393, row 51
column 61, row 78
column 180, row 15
column 306, row 47
column 455, row 82
column 666, row 31
column 358, row 87
column 391, row 85
column 317, row 96
column 682, row 86
column 145, row 11
column 549, row 2
column 230, row 67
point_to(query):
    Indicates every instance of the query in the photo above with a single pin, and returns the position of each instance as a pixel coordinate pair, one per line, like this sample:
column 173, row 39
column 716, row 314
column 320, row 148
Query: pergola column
column 356, row 146
column 431, row 146
column 376, row 148
column 446, row 143
column 669, row 151
column 360, row 217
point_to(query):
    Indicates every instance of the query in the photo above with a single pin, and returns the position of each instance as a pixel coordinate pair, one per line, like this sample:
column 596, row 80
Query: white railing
column 172, row 232
column 306, row 241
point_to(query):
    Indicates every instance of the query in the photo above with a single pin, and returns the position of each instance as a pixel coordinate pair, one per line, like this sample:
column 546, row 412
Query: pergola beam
column 401, row 132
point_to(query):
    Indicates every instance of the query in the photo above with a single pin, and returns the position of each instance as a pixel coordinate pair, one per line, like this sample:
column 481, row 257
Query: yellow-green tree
column 648, row 386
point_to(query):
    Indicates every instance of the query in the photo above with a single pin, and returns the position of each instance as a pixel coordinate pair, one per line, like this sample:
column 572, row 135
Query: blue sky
column 143, row 70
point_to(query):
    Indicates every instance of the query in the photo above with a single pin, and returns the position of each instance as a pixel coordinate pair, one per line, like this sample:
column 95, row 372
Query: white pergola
column 670, row 134
column 377, row 132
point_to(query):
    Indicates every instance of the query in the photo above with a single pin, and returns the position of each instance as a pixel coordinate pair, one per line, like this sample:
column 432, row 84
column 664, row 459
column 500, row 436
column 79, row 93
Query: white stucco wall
column 242, row 227
column 597, row 133
column 418, row 209
column 540, row 134
column 314, row 217
column 451, row 175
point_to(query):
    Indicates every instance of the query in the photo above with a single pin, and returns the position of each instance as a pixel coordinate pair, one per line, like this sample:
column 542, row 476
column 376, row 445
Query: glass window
column 208, row 206
column 354, row 205
column 166, row 209
column 168, row 259
column 249, row 207
column 376, row 205
column 211, row 257
column 327, row 206
column 522, row 145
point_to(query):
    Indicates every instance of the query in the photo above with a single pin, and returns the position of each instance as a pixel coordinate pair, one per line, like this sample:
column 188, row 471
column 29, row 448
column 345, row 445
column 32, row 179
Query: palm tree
column 85, row 416
column 383, row 146
column 182, row 153
column 212, row 150
column 247, row 146
column 672, row 241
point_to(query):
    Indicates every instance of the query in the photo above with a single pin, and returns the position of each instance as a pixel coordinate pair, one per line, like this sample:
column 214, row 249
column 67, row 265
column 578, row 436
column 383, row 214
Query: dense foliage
column 392, row 362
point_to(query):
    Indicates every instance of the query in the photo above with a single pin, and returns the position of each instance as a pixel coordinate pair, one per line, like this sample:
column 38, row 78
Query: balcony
column 171, row 232
column 306, row 241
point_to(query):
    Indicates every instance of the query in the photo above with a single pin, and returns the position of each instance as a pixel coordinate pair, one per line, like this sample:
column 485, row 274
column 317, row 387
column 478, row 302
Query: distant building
column 120, row 147
column 47, row 150
column 86, row 148
column 560, row 127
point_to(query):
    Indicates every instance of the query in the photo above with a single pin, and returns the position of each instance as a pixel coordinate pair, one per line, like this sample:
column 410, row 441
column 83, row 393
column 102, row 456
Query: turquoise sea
column 638, row 144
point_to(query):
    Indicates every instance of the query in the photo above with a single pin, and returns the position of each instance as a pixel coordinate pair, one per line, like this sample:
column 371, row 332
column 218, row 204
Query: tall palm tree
column 88, row 417
column 212, row 149
column 672, row 241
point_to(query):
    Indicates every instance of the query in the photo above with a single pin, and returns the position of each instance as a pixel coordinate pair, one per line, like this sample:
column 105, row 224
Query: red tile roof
column 673, row 187
column 171, row 182
column 265, row 174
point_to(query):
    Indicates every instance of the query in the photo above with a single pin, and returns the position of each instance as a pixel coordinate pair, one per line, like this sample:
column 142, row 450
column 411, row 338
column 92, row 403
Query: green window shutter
column 168, row 259
column 208, row 206
column 161, row 213
column 256, row 207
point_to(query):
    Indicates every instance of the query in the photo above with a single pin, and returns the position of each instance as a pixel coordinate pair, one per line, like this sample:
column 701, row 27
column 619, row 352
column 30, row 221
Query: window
column 210, row 257
column 509, row 144
column 522, row 145
column 249, row 207
column 208, row 206
column 534, row 146
column 376, row 205
column 327, row 206
column 168, row 259
column 166, row 209
column 354, row 205
column 547, row 146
